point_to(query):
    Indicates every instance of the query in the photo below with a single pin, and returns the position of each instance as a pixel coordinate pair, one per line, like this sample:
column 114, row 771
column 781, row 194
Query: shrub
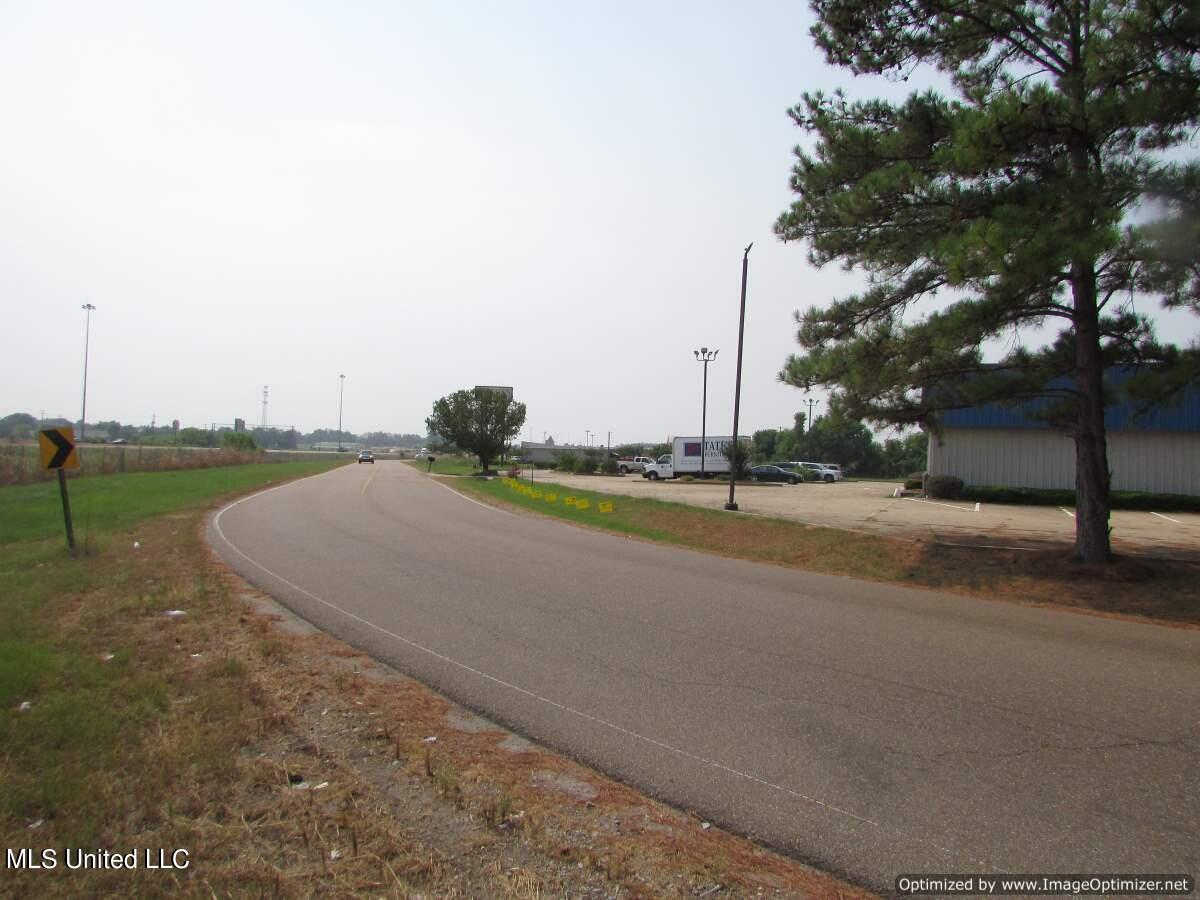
column 915, row 481
column 238, row 440
column 568, row 462
column 610, row 467
column 944, row 487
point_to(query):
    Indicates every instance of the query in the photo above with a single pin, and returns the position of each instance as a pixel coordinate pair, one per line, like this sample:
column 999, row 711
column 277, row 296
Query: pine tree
column 1013, row 201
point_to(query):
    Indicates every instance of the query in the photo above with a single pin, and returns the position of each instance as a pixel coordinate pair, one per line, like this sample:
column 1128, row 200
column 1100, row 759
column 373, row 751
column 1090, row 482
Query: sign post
column 58, row 452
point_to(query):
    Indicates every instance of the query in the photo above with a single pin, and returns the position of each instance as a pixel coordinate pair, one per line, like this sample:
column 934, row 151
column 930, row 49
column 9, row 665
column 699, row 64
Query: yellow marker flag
column 570, row 501
column 582, row 504
column 536, row 495
column 605, row 507
column 551, row 498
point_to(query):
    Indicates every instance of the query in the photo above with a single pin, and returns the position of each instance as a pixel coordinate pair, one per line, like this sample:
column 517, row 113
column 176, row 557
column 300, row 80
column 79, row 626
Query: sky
column 419, row 197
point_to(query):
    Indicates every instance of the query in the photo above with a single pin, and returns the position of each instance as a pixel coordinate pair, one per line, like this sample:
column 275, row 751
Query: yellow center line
column 367, row 483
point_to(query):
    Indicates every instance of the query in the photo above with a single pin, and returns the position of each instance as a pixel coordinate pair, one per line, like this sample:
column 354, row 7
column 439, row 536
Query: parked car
column 633, row 464
column 366, row 456
column 774, row 473
column 823, row 472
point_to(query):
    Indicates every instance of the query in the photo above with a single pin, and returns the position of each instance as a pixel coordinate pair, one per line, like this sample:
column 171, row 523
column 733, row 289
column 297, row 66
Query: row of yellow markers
column 550, row 497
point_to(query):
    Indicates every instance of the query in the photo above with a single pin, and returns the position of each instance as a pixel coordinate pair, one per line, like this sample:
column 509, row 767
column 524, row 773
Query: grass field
column 449, row 465
column 99, row 505
column 1158, row 589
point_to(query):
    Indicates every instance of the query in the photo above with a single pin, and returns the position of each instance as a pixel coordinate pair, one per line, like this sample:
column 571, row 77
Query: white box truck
column 685, row 456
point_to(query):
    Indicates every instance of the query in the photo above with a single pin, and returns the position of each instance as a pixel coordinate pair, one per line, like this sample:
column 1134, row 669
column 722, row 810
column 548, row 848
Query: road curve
column 866, row 729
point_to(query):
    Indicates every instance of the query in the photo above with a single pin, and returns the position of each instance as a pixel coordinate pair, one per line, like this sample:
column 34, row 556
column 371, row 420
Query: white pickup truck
column 636, row 464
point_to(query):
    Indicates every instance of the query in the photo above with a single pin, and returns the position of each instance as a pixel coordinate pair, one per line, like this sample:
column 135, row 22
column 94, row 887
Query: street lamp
column 705, row 356
column 87, row 333
column 341, row 392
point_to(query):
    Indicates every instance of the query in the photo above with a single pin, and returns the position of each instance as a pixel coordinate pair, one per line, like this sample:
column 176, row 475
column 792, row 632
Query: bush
column 610, row 467
column 568, row 462
column 238, row 440
column 944, row 487
column 915, row 481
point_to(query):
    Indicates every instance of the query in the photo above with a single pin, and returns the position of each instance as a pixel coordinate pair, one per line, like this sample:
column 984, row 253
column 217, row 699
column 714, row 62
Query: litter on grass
column 176, row 613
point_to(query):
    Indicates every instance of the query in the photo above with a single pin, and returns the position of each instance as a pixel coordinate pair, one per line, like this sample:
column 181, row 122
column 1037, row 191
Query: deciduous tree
column 480, row 421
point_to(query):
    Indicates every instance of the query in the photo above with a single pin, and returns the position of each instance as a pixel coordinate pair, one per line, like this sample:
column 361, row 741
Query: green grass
column 81, row 642
column 450, row 465
column 629, row 514
column 103, row 504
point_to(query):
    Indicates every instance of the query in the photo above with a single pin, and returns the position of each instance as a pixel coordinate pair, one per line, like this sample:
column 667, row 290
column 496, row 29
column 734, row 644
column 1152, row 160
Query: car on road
column 774, row 473
column 366, row 456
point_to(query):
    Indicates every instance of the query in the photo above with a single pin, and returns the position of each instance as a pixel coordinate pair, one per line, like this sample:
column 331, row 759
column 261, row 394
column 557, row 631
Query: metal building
column 1003, row 446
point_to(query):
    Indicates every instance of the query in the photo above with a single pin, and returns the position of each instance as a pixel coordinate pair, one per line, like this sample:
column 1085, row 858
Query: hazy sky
column 423, row 197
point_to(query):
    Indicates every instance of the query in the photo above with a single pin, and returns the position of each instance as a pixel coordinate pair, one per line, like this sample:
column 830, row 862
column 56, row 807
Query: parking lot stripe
column 1168, row 518
column 935, row 503
column 1067, row 511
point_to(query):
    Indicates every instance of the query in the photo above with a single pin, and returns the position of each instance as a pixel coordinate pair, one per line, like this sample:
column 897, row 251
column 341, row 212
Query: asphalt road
column 869, row 730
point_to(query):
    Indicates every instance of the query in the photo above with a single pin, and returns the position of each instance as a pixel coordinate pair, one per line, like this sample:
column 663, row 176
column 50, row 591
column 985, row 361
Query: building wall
column 1159, row 462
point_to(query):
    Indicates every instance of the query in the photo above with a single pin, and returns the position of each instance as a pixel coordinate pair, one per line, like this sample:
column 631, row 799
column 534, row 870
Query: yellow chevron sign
column 58, row 448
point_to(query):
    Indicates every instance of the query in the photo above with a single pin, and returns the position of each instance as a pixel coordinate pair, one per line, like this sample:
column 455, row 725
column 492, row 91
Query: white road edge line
column 1168, row 518
column 1067, row 511
column 546, row 700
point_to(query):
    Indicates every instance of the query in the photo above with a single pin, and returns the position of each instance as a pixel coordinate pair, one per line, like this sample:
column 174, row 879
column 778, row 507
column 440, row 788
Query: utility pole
column 737, row 391
column 87, row 333
column 264, row 413
column 341, row 393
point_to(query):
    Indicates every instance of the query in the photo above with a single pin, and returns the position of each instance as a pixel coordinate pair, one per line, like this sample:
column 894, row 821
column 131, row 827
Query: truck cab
column 663, row 467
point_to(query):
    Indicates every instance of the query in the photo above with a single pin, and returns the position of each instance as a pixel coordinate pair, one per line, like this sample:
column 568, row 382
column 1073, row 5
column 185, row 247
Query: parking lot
column 870, row 506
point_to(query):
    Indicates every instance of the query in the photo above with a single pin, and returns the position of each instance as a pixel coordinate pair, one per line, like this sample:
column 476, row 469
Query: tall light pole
column 87, row 333
column 341, row 392
column 705, row 356
column 737, row 391
column 809, row 422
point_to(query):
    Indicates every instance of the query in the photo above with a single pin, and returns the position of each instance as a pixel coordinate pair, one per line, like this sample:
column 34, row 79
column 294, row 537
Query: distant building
column 549, row 452
column 1003, row 446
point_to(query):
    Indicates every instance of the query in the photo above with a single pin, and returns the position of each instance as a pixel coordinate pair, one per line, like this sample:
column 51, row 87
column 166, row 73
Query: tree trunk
column 1091, row 450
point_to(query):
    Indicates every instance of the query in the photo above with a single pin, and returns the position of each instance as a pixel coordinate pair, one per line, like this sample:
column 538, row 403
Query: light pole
column 737, row 391
column 587, row 437
column 341, row 393
column 87, row 333
column 809, row 422
column 705, row 356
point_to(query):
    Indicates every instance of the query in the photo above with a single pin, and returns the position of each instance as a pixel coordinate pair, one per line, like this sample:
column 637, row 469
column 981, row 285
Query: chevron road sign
column 58, row 448
column 58, row 452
